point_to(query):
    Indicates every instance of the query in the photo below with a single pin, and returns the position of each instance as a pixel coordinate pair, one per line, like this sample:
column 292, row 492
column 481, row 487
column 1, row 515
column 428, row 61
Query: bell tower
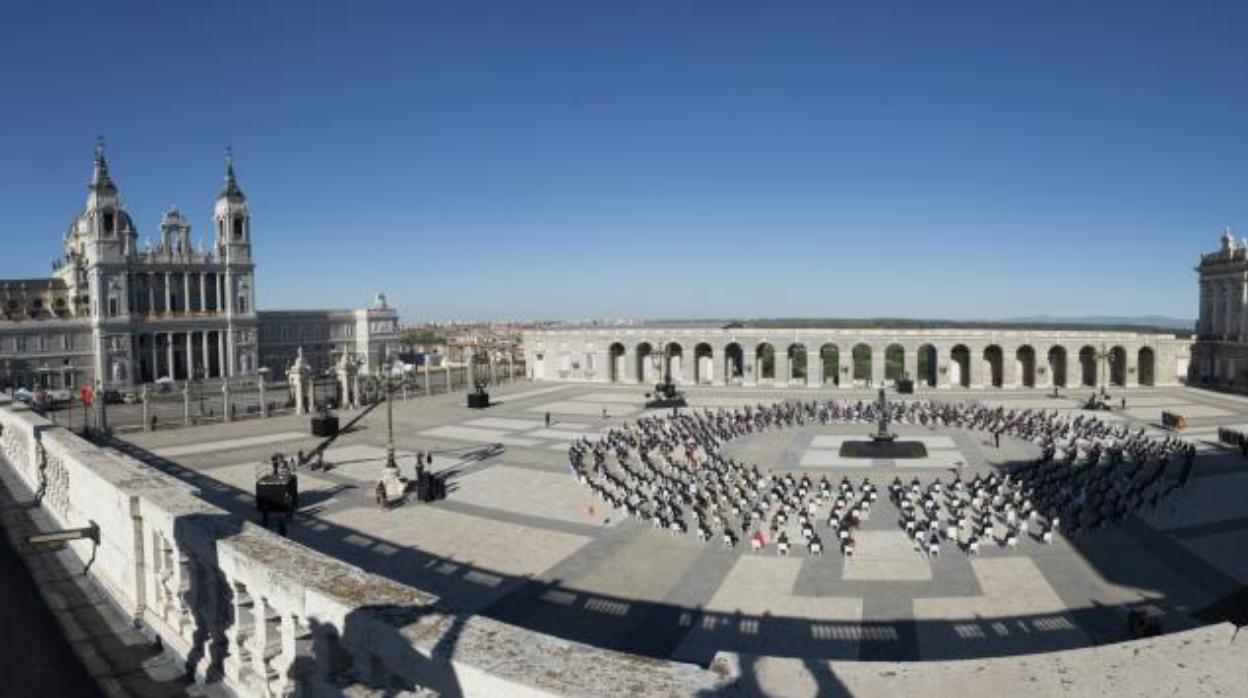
column 232, row 221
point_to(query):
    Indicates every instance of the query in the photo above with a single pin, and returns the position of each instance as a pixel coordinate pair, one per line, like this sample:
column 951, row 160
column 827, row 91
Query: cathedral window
column 238, row 228
column 108, row 223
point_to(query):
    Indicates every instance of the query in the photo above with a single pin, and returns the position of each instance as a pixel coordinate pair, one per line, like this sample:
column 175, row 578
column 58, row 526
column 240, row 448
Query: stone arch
column 673, row 362
column 861, row 354
column 1087, row 366
column 645, row 365
column 734, row 363
column 797, row 363
column 1117, row 358
column 831, row 355
column 703, row 363
column 765, row 362
column 925, row 365
column 994, row 360
column 1147, row 366
column 894, row 362
column 1057, row 365
column 1025, row 358
column 960, row 366
column 615, row 362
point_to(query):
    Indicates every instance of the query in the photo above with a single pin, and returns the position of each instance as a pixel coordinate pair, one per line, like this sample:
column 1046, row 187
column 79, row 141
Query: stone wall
column 973, row 358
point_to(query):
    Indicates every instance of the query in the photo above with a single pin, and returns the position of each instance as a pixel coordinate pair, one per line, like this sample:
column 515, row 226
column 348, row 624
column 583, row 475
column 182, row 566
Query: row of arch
column 1031, row 367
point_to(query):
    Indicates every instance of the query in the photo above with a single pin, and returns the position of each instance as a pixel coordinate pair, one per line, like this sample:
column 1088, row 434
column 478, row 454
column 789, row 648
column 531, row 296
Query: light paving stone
column 832, row 459
column 525, row 491
column 886, row 555
column 584, row 408
column 506, row 548
column 761, row 584
column 477, row 435
column 228, row 444
column 637, row 399
column 1012, row 586
column 504, row 423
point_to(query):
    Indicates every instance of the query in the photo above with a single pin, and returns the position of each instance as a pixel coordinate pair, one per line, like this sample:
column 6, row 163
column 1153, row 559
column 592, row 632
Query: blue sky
column 652, row 159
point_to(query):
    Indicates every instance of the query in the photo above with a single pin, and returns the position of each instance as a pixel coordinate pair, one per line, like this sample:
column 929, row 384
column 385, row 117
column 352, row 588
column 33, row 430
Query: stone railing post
column 143, row 398
column 186, row 403
column 264, row 405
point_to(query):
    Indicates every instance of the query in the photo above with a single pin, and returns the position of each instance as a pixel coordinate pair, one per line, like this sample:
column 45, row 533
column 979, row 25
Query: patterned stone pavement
column 520, row 540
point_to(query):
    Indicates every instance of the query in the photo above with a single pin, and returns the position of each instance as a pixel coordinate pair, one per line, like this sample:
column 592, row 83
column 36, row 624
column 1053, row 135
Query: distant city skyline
column 571, row 160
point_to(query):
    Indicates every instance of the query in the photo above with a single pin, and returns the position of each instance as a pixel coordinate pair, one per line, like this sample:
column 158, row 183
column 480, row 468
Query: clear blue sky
column 653, row 159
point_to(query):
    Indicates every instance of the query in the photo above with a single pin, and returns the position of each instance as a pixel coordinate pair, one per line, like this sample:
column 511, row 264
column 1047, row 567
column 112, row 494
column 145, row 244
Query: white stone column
column 1010, row 377
column 1132, row 377
column 877, row 363
column 783, row 369
column 264, row 406
column 186, row 403
column 190, row 357
column 168, row 295
column 845, row 366
column 186, row 293
column 977, row 366
column 814, row 368
column 749, row 365
column 222, row 367
column 151, row 292
column 428, row 385
column 204, row 350
column 169, row 353
column 155, row 357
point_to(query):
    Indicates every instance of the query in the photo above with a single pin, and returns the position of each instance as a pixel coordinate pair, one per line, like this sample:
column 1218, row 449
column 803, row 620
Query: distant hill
column 1165, row 321
column 1160, row 324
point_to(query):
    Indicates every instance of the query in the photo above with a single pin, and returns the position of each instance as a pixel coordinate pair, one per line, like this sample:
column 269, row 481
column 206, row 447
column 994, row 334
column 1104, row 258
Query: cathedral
column 116, row 315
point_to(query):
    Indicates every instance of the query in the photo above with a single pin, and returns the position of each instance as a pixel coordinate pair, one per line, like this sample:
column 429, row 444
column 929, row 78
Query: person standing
column 381, row 495
column 547, row 420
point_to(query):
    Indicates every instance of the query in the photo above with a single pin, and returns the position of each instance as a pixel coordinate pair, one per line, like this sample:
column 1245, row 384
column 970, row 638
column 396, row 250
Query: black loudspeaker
column 905, row 386
column 478, row 401
column 325, row 425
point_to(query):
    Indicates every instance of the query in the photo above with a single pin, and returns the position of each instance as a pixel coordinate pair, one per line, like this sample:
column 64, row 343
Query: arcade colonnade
column 858, row 358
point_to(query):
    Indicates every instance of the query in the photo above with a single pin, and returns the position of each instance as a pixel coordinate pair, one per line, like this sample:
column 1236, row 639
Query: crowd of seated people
column 670, row 471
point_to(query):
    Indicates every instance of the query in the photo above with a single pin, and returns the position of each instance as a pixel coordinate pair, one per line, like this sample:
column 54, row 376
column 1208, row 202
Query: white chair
column 1047, row 537
column 782, row 549
column 972, row 548
column 933, row 550
column 1011, row 541
column 816, row 548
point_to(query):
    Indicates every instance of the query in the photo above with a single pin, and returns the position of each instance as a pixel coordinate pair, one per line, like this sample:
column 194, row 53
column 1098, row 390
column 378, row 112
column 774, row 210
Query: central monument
column 883, row 443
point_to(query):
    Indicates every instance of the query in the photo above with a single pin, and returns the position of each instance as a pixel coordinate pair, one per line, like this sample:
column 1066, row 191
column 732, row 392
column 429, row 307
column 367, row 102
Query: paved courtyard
column 520, row 540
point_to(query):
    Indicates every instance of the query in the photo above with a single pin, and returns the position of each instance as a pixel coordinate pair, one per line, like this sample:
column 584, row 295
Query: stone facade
column 1220, row 354
column 118, row 315
column 935, row 358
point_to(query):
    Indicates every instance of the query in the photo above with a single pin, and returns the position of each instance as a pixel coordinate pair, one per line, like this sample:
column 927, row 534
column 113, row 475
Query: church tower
column 232, row 221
